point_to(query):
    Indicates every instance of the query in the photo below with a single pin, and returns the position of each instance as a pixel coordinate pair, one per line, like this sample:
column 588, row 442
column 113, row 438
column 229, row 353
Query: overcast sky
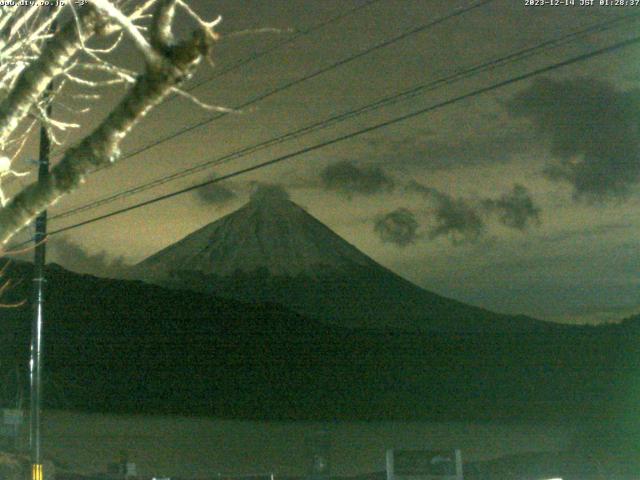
column 520, row 200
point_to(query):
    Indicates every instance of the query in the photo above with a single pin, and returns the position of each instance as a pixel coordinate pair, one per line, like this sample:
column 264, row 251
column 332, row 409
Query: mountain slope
column 273, row 250
column 269, row 233
column 125, row 346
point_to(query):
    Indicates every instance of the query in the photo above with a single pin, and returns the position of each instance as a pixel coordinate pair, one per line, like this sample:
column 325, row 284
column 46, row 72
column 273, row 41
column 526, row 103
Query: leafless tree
column 32, row 56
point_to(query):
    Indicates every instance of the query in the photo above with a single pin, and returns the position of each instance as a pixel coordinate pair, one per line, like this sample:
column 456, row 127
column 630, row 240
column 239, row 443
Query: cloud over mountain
column 398, row 227
column 217, row 193
column 464, row 220
column 593, row 129
column 269, row 192
column 456, row 218
column 514, row 209
column 349, row 179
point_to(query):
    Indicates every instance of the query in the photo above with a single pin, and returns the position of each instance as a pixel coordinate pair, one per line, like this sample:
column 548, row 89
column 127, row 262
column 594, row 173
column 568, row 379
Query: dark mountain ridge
column 125, row 346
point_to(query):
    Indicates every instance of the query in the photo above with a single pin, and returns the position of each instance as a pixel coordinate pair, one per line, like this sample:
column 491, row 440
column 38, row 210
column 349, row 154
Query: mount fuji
column 272, row 250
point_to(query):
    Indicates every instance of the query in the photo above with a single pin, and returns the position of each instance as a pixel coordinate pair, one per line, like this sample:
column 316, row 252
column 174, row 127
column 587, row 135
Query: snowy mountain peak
column 269, row 232
column 268, row 195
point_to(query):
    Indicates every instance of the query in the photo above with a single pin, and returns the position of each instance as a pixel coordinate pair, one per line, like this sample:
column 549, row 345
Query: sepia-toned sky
column 523, row 199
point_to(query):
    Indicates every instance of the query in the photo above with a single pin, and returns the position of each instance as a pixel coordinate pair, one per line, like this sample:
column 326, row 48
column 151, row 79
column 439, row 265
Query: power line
column 455, row 13
column 402, row 118
column 289, row 40
column 389, row 100
column 277, row 46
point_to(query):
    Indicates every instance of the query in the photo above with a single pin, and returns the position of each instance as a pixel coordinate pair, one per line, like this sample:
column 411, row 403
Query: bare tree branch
column 174, row 64
column 129, row 28
column 161, row 33
column 35, row 78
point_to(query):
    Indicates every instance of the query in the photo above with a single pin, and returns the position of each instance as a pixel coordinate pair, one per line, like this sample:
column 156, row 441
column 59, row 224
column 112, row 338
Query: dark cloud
column 215, row 193
column 349, row 179
column 515, row 209
column 455, row 218
column 266, row 192
column 74, row 257
column 398, row 227
column 464, row 221
column 593, row 130
column 427, row 192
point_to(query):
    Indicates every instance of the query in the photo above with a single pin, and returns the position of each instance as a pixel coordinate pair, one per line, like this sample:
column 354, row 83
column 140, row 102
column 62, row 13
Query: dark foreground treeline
column 116, row 346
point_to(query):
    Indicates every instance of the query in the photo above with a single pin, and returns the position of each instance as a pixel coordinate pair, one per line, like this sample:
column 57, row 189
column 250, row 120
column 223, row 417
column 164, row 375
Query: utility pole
column 35, row 364
column 39, row 280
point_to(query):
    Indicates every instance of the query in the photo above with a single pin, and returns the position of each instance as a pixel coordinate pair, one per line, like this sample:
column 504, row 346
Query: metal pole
column 35, row 364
